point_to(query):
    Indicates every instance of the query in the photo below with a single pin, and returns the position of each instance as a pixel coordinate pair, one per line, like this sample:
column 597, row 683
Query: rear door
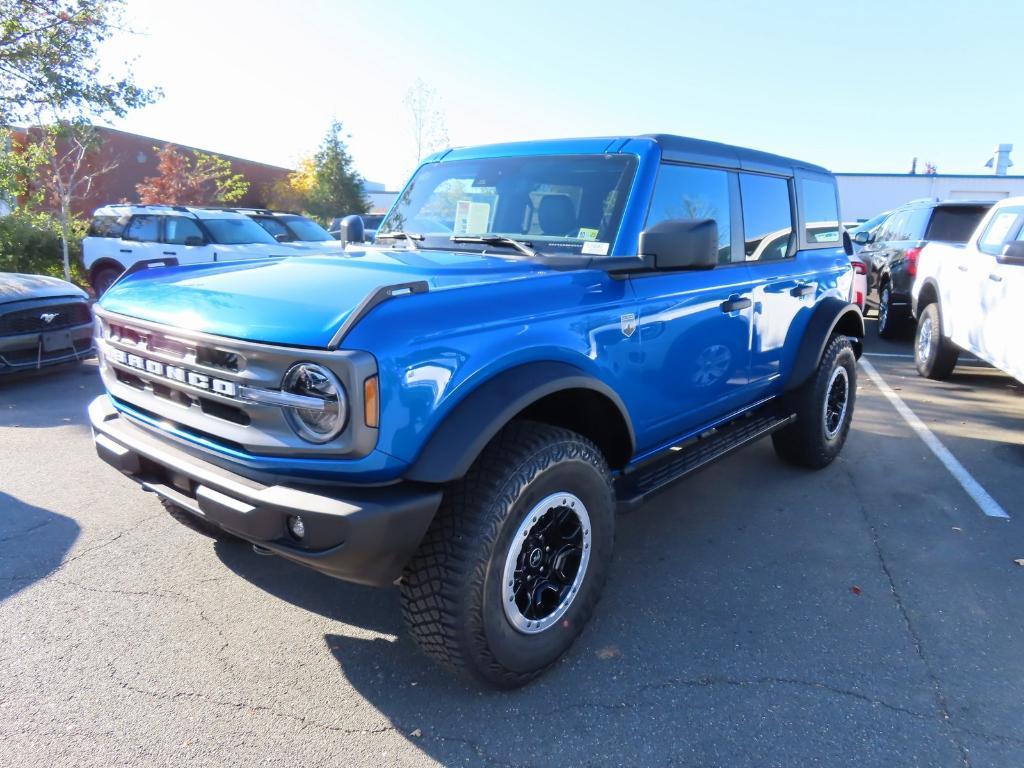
column 141, row 239
column 694, row 325
column 1002, row 294
column 803, row 264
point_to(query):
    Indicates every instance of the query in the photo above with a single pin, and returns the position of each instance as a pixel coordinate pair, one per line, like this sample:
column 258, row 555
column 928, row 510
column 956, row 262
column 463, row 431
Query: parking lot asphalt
column 756, row 615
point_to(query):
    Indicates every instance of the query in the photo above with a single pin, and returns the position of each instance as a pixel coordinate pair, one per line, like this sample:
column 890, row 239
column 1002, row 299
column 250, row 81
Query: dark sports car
column 43, row 321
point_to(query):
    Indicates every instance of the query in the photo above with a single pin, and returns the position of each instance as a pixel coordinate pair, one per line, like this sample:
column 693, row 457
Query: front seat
column 557, row 216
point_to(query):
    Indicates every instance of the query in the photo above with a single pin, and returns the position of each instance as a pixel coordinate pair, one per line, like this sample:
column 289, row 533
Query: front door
column 693, row 326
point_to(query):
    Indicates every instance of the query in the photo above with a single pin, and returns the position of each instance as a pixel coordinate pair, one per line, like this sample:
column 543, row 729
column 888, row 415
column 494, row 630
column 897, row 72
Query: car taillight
column 911, row 257
column 860, row 267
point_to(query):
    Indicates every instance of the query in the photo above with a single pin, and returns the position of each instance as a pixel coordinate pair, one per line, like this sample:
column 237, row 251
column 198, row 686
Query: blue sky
column 853, row 86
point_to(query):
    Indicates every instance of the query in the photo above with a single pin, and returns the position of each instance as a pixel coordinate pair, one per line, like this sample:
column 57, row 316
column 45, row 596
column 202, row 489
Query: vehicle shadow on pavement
column 331, row 598
column 52, row 397
column 33, row 542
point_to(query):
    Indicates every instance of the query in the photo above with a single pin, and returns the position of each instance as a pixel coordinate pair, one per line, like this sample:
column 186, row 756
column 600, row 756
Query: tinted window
column 682, row 192
column 177, row 229
column 274, row 227
column 309, row 231
column 1000, row 229
column 915, row 223
column 955, row 223
column 767, row 217
column 893, row 227
column 240, row 231
column 107, row 226
column 144, row 229
column 821, row 208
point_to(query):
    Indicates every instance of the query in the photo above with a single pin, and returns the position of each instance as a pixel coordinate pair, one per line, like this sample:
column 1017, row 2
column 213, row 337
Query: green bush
column 31, row 243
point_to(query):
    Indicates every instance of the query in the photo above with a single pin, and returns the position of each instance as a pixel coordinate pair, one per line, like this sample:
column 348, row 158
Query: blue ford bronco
column 542, row 333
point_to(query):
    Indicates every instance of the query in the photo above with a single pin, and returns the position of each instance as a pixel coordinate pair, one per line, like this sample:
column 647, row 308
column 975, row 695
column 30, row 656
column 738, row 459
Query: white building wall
column 865, row 195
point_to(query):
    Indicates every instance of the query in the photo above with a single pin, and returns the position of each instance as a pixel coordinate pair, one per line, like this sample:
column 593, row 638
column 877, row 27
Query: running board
column 638, row 484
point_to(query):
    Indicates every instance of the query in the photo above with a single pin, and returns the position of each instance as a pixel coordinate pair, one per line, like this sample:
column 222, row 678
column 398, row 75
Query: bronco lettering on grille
column 174, row 373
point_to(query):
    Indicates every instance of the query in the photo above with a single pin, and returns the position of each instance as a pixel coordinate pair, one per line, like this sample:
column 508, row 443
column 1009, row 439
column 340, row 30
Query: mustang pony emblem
column 628, row 324
column 49, row 317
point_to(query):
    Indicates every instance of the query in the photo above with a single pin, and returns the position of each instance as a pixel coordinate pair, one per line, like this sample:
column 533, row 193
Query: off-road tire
column 452, row 589
column 891, row 321
column 103, row 279
column 934, row 355
column 197, row 523
column 807, row 442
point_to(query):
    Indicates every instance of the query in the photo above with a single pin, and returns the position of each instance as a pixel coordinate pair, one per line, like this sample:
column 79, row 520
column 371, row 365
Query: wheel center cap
column 536, row 557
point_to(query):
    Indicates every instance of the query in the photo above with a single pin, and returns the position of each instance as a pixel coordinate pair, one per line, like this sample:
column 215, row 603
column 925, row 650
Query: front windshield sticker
column 586, row 233
column 594, row 248
column 471, row 218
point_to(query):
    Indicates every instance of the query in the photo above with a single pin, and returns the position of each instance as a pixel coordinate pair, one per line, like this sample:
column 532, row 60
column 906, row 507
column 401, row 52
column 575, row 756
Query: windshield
column 238, row 231
column 566, row 204
column 306, row 230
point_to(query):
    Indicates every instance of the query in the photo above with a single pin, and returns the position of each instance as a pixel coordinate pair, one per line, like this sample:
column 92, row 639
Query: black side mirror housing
column 863, row 238
column 194, row 240
column 1013, row 253
column 351, row 229
column 681, row 244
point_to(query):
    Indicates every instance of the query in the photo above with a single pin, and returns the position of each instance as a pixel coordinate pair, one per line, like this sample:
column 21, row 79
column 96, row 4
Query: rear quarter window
column 108, row 226
column 955, row 223
column 820, row 206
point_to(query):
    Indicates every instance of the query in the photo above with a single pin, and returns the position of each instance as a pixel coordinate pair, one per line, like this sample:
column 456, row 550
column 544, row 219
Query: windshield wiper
column 411, row 238
column 519, row 245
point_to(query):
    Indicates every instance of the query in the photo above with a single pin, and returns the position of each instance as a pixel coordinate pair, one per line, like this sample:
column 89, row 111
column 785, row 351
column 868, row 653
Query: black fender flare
column 455, row 444
column 831, row 316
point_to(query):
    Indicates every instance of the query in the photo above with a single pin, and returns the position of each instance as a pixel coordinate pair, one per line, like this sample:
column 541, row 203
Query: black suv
column 891, row 252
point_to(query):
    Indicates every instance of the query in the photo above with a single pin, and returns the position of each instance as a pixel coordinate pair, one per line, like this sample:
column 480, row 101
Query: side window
column 177, row 230
column 820, row 209
column 107, row 226
column 916, row 223
column 767, row 217
column 892, row 227
column 683, row 192
column 999, row 230
column 144, row 229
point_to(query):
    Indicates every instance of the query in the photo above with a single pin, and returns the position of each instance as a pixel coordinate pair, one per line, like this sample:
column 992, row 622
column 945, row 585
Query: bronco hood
column 299, row 301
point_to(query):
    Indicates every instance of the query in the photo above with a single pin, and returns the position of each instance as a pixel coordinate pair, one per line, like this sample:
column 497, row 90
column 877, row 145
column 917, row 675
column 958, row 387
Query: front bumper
column 26, row 351
column 364, row 535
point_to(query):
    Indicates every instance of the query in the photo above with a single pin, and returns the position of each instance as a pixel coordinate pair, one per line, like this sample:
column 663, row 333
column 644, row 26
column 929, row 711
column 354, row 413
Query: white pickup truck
column 971, row 296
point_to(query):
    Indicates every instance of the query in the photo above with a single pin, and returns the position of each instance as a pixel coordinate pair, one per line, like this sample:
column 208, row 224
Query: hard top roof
column 680, row 148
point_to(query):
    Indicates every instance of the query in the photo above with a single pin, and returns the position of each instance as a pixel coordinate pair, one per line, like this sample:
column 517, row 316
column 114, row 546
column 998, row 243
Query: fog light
column 296, row 526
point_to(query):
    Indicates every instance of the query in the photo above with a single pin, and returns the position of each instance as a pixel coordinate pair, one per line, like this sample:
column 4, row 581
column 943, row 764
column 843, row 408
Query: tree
column 191, row 178
column 429, row 129
column 49, row 60
column 294, row 192
column 337, row 188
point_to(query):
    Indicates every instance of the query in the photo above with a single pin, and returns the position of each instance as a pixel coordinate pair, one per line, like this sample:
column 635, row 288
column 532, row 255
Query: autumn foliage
column 191, row 178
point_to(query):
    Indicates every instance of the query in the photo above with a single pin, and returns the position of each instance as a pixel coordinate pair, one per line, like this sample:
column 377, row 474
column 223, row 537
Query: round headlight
column 316, row 424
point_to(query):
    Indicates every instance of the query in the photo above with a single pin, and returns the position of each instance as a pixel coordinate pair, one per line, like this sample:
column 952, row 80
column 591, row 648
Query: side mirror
column 194, row 240
column 681, row 244
column 863, row 238
column 1013, row 253
column 351, row 229
column 282, row 237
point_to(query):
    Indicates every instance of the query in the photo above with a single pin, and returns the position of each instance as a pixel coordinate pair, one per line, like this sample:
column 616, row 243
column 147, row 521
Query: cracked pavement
column 755, row 615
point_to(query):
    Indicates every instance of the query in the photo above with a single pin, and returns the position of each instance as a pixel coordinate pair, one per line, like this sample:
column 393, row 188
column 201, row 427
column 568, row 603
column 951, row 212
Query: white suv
column 971, row 296
column 123, row 235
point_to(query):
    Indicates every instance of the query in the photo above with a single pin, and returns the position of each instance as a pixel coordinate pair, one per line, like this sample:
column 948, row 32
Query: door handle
column 995, row 278
column 170, row 253
column 802, row 289
column 962, row 267
column 735, row 303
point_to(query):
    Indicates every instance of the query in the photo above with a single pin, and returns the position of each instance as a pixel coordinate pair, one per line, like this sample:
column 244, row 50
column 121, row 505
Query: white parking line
column 973, row 488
